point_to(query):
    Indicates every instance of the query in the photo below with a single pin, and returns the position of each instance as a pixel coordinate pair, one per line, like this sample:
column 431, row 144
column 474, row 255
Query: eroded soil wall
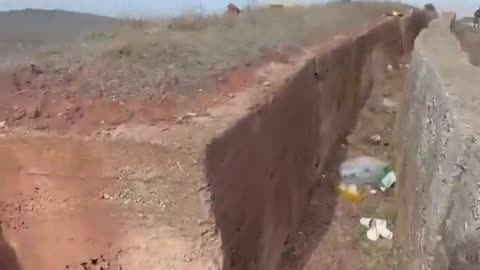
column 260, row 171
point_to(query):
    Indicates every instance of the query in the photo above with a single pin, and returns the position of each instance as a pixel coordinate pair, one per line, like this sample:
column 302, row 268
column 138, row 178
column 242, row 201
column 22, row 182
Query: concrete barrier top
column 459, row 78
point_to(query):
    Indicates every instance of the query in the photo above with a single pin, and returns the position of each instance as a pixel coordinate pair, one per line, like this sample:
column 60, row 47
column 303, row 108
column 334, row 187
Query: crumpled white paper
column 376, row 228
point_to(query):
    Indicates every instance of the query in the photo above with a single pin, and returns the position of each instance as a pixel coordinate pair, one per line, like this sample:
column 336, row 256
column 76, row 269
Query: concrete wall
column 260, row 171
column 438, row 156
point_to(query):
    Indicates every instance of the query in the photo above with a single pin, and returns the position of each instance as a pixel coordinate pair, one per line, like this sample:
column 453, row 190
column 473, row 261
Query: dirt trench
column 152, row 197
column 268, row 164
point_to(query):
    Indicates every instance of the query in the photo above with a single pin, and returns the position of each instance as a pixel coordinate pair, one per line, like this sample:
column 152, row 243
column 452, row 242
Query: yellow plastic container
column 350, row 192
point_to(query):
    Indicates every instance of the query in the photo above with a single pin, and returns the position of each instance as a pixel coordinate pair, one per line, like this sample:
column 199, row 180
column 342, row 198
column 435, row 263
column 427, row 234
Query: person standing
column 476, row 18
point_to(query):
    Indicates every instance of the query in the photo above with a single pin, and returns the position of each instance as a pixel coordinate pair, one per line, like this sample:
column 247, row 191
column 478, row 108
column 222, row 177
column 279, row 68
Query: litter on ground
column 377, row 228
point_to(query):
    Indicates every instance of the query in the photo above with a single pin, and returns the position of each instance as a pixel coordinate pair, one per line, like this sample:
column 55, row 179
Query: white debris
column 376, row 138
column 376, row 228
column 191, row 114
column 389, row 103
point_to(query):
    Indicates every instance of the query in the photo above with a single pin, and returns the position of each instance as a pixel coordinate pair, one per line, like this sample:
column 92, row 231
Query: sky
column 147, row 8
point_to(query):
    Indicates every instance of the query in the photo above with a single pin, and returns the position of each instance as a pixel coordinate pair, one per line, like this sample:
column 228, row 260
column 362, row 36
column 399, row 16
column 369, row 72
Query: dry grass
column 469, row 38
column 184, row 51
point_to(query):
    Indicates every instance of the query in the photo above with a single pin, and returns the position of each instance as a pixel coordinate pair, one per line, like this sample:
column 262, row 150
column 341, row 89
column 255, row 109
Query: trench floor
column 331, row 237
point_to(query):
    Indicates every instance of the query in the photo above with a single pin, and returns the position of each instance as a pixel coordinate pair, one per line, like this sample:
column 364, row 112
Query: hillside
column 43, row 26
column 24, row 32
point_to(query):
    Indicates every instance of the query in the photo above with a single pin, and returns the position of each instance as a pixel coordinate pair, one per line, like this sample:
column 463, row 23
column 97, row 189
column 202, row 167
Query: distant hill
column 45, row 26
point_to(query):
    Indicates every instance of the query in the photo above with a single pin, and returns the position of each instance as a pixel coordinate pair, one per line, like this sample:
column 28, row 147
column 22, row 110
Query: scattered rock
column 389, row 67
column 231, row 95
column 74, row 108
column 19, row 115
column 179, row 120
column 3, row 124
column 200, row 90
column 266, row 83
column 389, row 103
column 204, row 114
column 191, row 114
column 36, row 69
column 376, row 139
column 105, row 196
column 41, row 126
column 34, row 113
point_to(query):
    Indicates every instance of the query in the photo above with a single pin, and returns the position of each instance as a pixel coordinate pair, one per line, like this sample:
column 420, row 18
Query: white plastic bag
column 364, row 170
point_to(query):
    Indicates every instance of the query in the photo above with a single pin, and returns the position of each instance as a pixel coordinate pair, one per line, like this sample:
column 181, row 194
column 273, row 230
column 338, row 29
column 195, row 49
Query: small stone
column 266, row 83
column 231, row 95
column 204, row 114
column 3, row 124
column 35, row 113
column 19, row 115
column 41, row 126
column 75, row 108
column 105, row 196
column 376, row 139
column 190, row 114
column 179, row 120
column 200, row 90
column 389, row 103
column 389, row 67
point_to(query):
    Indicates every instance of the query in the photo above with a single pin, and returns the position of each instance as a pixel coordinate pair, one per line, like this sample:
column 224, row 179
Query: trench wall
column 261, row 169
column 438, row 155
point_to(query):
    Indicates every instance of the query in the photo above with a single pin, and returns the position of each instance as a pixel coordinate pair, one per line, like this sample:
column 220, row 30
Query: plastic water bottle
column 365, row 170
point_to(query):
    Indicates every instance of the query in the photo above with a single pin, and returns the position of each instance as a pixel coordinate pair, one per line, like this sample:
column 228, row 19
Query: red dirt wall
column 261, row 170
